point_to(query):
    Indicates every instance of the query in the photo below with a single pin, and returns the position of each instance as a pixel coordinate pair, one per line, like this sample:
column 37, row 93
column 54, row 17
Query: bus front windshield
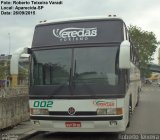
column 77, row 67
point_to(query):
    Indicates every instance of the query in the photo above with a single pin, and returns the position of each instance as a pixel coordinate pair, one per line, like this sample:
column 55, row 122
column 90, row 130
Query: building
column 4, row 70
column 5, row 77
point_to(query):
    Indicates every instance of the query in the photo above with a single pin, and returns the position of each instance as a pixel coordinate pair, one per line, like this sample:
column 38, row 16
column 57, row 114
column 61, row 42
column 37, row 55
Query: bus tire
column 138, row 97
column 129, row 113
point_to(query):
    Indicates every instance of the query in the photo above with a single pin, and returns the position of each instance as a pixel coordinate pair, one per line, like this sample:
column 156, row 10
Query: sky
column 142, row 13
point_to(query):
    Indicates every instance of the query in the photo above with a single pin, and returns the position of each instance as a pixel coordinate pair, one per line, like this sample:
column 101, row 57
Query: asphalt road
column 145, row 120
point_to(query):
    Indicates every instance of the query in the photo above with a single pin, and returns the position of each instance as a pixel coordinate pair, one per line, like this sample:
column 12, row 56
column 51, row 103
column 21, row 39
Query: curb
column 29, row 135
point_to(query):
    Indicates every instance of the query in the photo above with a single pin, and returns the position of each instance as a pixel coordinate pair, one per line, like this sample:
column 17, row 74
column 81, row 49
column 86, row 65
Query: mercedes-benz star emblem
column 71, row 111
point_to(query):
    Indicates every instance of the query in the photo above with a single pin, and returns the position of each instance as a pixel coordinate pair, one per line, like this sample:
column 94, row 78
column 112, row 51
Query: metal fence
column 14, row 106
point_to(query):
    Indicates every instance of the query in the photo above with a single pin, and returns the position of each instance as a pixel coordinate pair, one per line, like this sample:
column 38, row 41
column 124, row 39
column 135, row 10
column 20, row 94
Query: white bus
column 84, row 75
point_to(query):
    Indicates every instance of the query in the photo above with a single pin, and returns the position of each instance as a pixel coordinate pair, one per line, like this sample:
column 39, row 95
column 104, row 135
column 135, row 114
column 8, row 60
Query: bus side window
column 126, row 35
column 132, row 56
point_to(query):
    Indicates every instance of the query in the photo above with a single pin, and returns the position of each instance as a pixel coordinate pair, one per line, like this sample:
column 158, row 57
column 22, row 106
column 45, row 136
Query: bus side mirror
column 124, row 55
column 27, row 50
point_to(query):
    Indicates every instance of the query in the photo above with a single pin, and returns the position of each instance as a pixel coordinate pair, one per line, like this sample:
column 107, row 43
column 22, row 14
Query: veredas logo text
column 75, row 34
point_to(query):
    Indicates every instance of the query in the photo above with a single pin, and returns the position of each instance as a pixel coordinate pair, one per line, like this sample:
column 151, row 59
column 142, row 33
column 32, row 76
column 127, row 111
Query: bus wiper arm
column 70, row 77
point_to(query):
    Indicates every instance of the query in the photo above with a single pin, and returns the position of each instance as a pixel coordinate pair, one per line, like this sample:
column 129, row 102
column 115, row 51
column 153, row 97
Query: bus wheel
column 129, row 114
column 138, row 96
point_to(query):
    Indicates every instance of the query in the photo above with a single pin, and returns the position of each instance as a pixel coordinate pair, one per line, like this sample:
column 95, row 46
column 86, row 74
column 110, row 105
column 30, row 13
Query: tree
column 159, row 56
column 146, row 43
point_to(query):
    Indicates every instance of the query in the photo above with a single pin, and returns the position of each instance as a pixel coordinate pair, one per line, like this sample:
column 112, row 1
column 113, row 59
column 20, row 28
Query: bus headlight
column 35, row 111
column 109, row 111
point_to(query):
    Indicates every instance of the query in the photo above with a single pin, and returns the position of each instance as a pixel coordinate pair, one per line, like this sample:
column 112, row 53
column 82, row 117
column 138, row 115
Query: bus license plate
column 73, row 124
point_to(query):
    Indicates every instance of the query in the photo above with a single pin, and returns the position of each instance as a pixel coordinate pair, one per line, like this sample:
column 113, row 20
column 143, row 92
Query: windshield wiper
column 72, row 76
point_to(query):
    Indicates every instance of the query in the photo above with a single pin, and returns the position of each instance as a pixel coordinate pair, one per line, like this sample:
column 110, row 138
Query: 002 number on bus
column 43, row 103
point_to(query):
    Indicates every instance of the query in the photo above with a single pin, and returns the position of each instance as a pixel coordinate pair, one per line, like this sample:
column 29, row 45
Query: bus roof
column 79, row 19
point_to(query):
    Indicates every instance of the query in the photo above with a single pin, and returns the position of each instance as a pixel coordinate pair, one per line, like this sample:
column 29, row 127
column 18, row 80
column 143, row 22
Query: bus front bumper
column 112, row 124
